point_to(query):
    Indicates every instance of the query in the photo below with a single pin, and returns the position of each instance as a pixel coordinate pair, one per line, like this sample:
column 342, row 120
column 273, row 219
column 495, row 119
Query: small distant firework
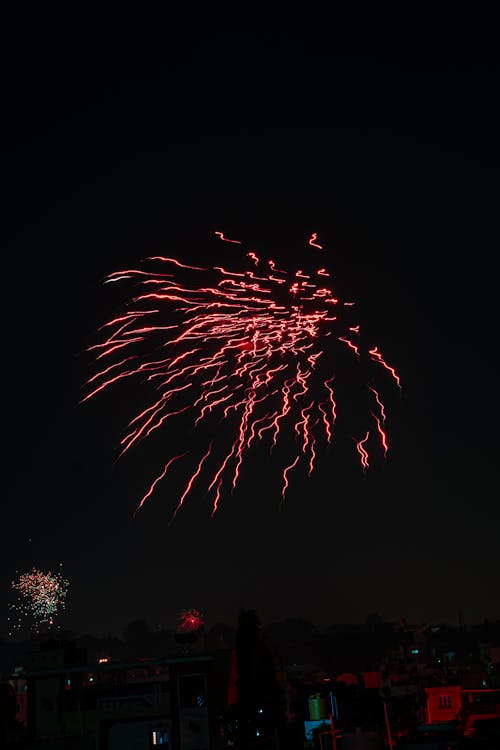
column 272, row 354
column 41, row 598
column 189, row 621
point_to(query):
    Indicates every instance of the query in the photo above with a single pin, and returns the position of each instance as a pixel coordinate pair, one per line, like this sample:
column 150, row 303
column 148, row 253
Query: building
column 443, row 704
column 469, row 709
column 173, row 702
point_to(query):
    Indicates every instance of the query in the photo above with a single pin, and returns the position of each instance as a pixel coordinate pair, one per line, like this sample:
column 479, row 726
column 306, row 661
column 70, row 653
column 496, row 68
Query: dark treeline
column 337, row 648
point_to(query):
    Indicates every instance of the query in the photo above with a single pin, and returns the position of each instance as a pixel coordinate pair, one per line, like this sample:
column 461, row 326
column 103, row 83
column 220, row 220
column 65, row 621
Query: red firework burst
column 253, row 347
column 190, row 620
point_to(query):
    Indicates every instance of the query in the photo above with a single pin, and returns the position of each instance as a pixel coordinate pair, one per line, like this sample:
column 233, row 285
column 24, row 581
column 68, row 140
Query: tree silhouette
column 137, row 637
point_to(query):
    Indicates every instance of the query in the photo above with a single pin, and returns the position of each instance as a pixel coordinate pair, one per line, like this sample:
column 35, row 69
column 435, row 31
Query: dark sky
column 125, row 137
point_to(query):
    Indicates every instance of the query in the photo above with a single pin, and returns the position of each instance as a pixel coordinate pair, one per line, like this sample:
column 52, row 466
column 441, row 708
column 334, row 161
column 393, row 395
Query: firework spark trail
column 379, row 403
column 250, row 346
column 285, row 477
column 158, row 479
column 41, row 597
column 381, row 432
column 192, row 480
column 360, row 447
column 313, row 243
column 376, row 356
column 313, row 453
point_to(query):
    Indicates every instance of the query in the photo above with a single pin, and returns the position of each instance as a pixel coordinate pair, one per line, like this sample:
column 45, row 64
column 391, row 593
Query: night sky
column 125, row 138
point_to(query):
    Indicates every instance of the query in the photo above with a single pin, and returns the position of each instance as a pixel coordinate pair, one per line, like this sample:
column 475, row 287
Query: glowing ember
column 252, row 348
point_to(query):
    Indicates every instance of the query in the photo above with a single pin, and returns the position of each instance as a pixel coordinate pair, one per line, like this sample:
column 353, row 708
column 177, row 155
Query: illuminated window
column 159, row 737
column 445, row 701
